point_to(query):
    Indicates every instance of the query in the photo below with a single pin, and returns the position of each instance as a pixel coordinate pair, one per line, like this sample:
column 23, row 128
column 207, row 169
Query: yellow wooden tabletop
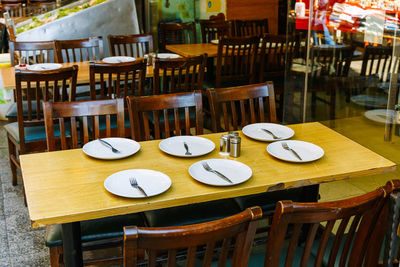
column 190, row 50
column 8, row 74
column 67, row 186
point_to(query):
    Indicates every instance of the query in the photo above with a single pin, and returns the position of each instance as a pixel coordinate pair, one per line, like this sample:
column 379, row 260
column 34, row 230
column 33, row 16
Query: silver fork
column 271, row 133
column 135, row 184
column 187, row 149
column 107, row 144
column 209, row 169
column 285, row 146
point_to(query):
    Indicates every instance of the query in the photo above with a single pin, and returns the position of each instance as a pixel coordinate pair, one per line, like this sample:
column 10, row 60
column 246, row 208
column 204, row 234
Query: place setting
column 44, row 66
column 118, row 59
column 186, row 146
column 295, row 151
column 137, row 183
column 220, row 172
column 268, row 132
column 111, row 148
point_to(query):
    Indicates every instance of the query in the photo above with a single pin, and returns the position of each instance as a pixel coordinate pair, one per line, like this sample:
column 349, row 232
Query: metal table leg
column 72, row 246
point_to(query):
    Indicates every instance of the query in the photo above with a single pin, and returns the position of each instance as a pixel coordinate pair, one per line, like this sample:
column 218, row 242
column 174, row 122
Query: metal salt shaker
column 235, row 146
column 224, row 145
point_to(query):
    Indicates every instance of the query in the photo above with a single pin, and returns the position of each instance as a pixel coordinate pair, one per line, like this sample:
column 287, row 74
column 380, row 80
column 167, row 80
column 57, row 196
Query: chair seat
column 98, row 229
column 12, row 112
column 32, row 133
column 267, row 201
column 192, row 214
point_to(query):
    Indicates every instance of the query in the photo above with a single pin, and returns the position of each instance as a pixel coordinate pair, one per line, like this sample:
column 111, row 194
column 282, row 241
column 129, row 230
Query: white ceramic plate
column 152, row 182
column 307, row 151
column 215, row 41
column 198, row 146
column 167, row 55
column 114, row 60
column 255, row 131
column 44, row 66
column 381, row 115
column 96, row 149
column 371, row 101
column 236, row 171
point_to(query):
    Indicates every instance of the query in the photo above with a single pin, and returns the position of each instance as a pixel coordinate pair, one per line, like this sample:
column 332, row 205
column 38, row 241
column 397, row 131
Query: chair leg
column 12, row 154
column 55, row 256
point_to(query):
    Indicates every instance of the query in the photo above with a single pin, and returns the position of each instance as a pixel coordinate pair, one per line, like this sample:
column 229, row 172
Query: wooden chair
column 237, row 231
column 117, row 81
column 356, row 242
column 72, row 120
column 37, row 7
column 177, row 33
column 250, row 27
column 211, row 30
column 28, row 134
column 16, row 9
column 235, row 61
column 34, row 52
column 183, row 74
column 79, row 50
column 135, row 45
column 241, row 105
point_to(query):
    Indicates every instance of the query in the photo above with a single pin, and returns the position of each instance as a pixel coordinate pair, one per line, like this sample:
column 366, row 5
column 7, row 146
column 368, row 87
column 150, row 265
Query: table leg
column 72, row 246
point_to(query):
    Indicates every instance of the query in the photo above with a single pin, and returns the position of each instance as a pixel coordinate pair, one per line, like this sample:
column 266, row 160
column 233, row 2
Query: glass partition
column 344, row 74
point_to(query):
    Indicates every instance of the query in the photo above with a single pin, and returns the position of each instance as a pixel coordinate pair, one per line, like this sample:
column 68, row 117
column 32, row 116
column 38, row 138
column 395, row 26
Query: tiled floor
column 20, row 245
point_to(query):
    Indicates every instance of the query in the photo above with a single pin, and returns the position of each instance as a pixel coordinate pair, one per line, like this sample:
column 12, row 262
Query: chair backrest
column 34, row 52
column 165, row 115
column 72, row 119
column 250, row 27
column 214, row 29
column 331, row 61
column 179, row 74
column 79, row 50
column 33, row 87
column 177, row 33
column 355, row 242
column 377, row 62
column 236, row 59
column 15, row 9
column 241, row 105
column 220, row 235
column 276, row 54
column 117, row 80
column 134, row 45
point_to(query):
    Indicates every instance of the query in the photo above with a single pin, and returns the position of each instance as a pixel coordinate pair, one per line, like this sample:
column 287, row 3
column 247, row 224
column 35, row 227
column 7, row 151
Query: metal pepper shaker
column 235, row 146
column 224, row 145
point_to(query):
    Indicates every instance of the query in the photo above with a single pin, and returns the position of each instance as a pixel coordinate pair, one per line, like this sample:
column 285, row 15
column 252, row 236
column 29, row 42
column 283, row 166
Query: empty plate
column 44, row 66
column 152, row 182
column 381, row 115
column 236, row 171
column 96, row 149
column 167, row 55
column 307, row 151
column 215, row 41
column 197, row 146
column 118, row 59
column 259, row 131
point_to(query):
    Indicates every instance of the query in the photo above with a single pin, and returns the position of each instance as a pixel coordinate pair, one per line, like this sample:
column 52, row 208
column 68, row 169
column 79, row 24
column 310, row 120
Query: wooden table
column 8, row 74
column 67, row 186
column 190, row 50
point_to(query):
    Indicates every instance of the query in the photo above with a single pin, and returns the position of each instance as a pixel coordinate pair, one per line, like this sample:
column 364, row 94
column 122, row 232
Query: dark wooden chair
column 79, row 50
column 157, row 116
column 183, row 74
column 134, row 45
column 183, row 241
column 275, row 60
column 236, row 61
column 34, row 52
column 212, row 29
column 16, row 9
column 241, row 105
column 329, row 67
column 72, row 120
column 37, row 7
column 360, row 223
column 110, row 81
column 28, row 133
column 250, row 27
column 177, row 33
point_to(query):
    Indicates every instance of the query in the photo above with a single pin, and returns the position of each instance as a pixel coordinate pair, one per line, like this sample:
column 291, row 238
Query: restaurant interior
column 199, row 133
